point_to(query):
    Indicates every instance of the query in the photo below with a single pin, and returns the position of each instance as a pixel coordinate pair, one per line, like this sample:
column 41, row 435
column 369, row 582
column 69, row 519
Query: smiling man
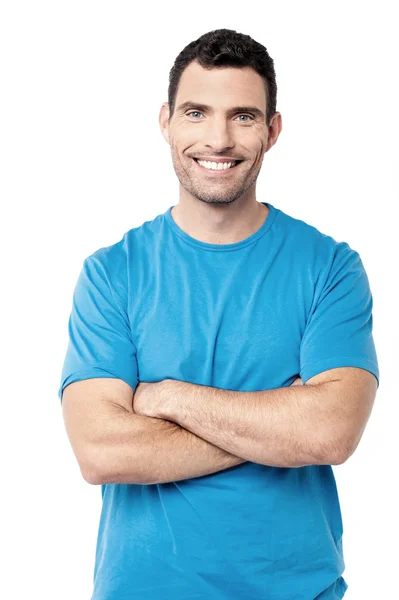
column 217, row 130
column 220, row 361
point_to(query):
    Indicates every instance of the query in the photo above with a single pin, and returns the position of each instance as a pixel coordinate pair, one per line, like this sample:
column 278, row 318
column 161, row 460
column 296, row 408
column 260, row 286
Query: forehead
column 230, row 85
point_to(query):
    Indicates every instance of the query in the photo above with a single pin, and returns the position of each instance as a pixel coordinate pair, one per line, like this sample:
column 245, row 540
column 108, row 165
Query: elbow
column 332, row 450
column 345, row 453
column 340, row 452
column 96, row 478
column 92, row 476
column 107, row 467
column 336, row 460
column 91, row 472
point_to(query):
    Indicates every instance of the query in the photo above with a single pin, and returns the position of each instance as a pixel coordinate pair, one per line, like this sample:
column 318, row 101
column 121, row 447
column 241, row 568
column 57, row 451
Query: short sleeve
column 100, row 342
column 338, row 332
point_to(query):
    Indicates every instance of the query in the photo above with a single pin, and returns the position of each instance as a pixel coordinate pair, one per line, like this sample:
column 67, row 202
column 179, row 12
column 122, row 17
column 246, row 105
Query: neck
column 219, row 223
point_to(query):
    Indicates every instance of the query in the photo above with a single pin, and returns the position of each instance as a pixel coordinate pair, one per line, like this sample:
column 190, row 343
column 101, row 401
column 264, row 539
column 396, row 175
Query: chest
column 234, row 328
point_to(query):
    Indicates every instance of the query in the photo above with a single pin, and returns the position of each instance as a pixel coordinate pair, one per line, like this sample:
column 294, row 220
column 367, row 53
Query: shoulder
column 308, row 241
column 116, row 257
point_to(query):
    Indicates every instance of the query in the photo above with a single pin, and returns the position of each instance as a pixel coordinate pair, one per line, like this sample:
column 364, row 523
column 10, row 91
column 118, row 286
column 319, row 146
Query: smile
column 217, row 168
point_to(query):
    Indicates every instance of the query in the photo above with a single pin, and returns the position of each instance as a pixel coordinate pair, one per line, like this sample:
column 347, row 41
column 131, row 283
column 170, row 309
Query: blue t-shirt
column 249, row 316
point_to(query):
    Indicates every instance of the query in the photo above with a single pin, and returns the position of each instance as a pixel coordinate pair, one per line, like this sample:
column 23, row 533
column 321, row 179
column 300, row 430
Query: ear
column 164, row 120
column 275, row 127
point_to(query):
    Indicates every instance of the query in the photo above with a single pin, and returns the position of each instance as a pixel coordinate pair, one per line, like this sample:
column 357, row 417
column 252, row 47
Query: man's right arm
column 153, row 451
column 114, row 445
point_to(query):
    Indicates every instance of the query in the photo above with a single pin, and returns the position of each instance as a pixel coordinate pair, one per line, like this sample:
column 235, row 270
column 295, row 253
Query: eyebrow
column 236, row 109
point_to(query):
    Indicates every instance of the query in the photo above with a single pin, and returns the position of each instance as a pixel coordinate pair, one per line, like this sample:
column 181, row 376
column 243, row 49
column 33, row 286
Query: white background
column 83, row 161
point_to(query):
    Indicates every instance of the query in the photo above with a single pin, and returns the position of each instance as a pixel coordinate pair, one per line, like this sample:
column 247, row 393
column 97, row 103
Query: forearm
column 284, row 427
column 146, row 450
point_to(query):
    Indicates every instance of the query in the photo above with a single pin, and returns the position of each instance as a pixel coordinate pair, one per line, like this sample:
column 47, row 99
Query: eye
column 193, row 112
column 248, row 116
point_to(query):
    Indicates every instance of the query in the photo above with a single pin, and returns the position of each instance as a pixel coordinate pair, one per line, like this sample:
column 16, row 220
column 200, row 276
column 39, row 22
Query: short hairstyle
column 226, row 48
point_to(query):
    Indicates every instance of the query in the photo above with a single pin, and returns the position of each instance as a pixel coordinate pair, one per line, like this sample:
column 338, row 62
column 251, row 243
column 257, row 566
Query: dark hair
column 226, row 48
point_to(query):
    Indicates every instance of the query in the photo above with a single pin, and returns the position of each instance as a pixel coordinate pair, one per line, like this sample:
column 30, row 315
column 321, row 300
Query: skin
column 219, row 210
column 150, row 397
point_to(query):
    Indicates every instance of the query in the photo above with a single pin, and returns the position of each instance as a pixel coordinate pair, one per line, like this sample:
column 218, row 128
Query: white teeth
column 216, row 166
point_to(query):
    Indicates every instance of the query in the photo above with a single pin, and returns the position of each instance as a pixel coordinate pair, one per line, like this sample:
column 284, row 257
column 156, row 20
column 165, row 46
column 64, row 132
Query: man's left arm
column 320, row 422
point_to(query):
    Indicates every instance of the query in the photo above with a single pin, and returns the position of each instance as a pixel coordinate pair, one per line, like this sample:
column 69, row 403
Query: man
column 220, row 361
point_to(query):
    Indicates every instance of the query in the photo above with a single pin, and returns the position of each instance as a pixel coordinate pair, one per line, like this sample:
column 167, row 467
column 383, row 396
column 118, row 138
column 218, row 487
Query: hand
column 297, row 381
column 147, row 399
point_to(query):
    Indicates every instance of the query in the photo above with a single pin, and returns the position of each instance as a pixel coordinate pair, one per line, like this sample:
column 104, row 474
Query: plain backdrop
column 83, row 161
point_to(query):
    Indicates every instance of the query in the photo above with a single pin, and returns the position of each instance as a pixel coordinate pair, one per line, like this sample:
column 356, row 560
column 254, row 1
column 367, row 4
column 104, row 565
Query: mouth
column 218, row 171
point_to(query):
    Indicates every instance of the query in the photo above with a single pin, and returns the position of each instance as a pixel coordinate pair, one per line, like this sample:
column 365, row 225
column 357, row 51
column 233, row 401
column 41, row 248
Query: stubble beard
column 217, row 193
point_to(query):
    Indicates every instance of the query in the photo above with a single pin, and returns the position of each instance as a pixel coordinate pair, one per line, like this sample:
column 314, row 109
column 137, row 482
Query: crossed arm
column 318, row 423
column 190, row 430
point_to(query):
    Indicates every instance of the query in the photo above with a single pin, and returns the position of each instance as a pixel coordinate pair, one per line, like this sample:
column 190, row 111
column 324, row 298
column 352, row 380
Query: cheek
column 254, row 144
column 184, row 137
column 183, row 147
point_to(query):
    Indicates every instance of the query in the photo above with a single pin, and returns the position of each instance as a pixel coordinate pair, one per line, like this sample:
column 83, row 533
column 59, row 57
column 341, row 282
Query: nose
column 218, row 135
